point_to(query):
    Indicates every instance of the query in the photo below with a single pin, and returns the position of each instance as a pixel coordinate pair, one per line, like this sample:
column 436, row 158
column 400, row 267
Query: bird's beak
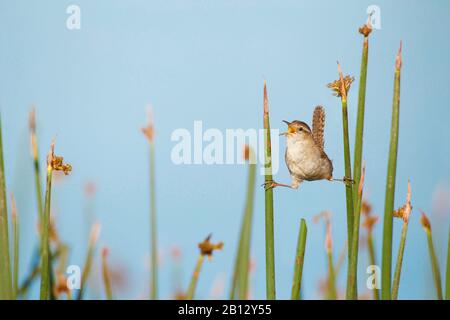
column 290, row 129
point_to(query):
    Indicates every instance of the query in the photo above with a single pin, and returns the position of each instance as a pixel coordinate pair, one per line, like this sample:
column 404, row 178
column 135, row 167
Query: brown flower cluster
column 207, row 247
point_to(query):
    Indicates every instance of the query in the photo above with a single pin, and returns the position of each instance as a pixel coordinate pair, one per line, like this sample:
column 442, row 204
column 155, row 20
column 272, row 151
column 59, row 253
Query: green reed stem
column 372, row 261
column 270, row 242
column 352, row 277
column 398, row 266
column 6, row 291
column 299, row 259
column 447, row 274
column 95, row 232
column 390, row 186
column 193, row 284
column 244, row 261
column 434, row 265
column 105, row 275
column 332, row 292
column 45, row 293
column 360, row 117
column 348, row 170
column 154, row 252
column 15, row 224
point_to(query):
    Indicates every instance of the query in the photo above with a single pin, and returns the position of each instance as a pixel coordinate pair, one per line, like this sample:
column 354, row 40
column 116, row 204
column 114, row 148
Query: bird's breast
column 306, row 161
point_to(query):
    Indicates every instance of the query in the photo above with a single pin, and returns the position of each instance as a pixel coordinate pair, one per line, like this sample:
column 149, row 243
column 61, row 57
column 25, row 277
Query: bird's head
column 296, row 129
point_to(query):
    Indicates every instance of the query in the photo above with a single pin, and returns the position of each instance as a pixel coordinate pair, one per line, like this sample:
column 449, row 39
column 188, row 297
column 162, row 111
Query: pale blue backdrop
column 206, row 60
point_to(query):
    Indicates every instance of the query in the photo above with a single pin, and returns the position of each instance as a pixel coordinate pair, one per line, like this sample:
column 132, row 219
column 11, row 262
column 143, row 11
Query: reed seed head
column 33, row 136
column 95, row 233
column 369, row 222
column 366, row 29
column 56, row 163
column 425, row 222
column 341, row 87
column 405, row 211
column 207, row 248
column 60, row 285
column 366, row 208
column 398, row 58
column 149, row 130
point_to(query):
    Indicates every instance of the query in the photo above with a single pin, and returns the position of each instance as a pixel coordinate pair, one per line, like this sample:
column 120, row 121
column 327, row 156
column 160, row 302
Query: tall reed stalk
column 45, row 230
column 365, row 30
column 331, row 292
column 433, row 258
column 402, row 213
column 299, row 259
column 270, row 241
column 194, row 279
column 447, row 273
column 95, row 233
column 105, row 274
column 390, row 185
column 15, row 225
column 6, row 290
column 149, row 133
column 242, row 265
column 341, row 88
column 36, row 166
column 352, row 277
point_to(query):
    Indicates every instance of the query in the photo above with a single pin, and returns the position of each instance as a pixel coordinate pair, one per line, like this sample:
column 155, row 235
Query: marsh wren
column 305, row 156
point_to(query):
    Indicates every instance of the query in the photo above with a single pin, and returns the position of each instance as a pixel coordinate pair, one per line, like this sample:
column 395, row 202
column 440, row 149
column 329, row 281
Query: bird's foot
column 273, row 184
column 347, row 181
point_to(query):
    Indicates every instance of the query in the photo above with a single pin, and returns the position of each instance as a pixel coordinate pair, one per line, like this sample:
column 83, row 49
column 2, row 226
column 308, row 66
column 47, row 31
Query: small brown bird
column 305, row 156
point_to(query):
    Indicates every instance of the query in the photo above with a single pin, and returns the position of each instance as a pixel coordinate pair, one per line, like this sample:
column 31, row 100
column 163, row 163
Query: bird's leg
column 273, row 184
column 347, row 181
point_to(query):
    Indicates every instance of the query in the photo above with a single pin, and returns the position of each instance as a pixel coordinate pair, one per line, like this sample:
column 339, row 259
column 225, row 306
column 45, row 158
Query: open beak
column 290, row 129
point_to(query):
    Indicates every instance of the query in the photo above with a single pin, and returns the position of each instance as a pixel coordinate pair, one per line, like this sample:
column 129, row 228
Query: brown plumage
column 318, row 126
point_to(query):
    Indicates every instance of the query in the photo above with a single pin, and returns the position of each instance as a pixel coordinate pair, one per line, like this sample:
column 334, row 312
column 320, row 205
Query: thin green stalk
column 95, row 232
column 149, row 133
column 15, row 223
column 6, row 291
column 434, row 266
column 398, row 267
column 332, row 292
column 372, row 261
column 447, row 274
column 244, row 260
column 341, row 88
column 193, row 284
column 357, row 161
column 45, row 243
column 105, row 275
column 154, row 254
column 299, row 259
column 352, row 277
column 270, row 242
column 390, row 186
column 36, row 166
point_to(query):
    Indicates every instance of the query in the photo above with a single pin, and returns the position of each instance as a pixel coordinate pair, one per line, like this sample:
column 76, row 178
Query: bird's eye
column 300, row 129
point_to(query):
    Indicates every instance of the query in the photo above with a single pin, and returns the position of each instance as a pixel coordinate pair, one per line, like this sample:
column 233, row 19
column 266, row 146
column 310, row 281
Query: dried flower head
column 341, row 86
column 366, row 208
column 33, row 137
column 149, row 130
column 366, row 29
column 425, row 222
column 405, row 211
column 207, row 248
column 369, row 222
column 56, row 163
column 60, row 285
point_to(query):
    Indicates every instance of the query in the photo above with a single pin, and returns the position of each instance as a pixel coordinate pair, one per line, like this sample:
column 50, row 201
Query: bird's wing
column 318, row 126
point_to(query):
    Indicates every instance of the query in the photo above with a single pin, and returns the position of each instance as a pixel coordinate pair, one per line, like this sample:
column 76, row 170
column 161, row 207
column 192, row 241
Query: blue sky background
column 204, row 60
